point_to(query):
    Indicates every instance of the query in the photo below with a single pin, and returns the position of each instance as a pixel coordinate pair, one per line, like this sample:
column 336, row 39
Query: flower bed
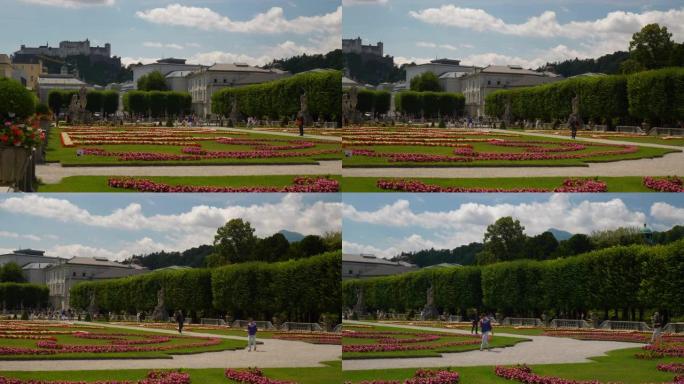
column 311, row 337
column 569, row 185
column 664, row 184
column 605, row 335
column 153, row 377
column 671, row 367
column 195, row 154
column 423, row 376
column 387, row 341
column 300, row 184
column 252, row 376
column 524, row 374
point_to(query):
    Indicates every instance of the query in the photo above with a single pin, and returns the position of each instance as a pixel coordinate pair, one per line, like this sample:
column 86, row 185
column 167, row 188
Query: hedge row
column 22, row 295
column 297, row 290
column 430, row 104
column 106, row 102
column 16, row 99
column 376, row 102
column 281, row 98
column 157, row 103
column 624, row 277
column 656, row 97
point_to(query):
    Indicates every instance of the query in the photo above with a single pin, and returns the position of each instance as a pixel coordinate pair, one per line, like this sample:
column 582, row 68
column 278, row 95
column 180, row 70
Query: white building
column 203, row 83
column 163, row 66
column 177, row 81
column 438, row 67
column 476, row 86
column 60, row 278
column 364, row 266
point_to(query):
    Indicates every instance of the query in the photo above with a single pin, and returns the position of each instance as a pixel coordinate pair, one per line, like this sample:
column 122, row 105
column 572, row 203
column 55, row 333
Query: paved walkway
column 591, row 139
column 288, row 134
column 541, row 350
column 272, row 354
column 54, row 172
column 668, row 165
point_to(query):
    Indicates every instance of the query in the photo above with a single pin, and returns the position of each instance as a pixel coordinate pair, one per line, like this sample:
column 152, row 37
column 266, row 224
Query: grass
column 67, row 155
column 615, row 184
column 363, row 161
column 99, row 183
column 225, row 344
column 497, row 341
column 633, row 138
column 328, row 374
column 616, row 366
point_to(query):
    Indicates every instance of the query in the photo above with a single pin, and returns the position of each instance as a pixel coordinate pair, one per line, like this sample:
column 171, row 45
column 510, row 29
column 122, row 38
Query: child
column 251, row 335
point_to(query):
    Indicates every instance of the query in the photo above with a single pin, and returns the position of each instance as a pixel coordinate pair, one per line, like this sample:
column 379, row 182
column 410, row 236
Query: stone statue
column 575, row 105
column 82, row 99
column 430, row 311
column 359, row 307
column 73, row 108
column 507, row 116
column 160, row 313
column 575, row 120
column 234, row 112
column 304, row 108
column 346, row 107
column 92, row 307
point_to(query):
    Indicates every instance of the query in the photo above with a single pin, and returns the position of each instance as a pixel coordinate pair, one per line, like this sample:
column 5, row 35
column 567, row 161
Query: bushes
column 281, row 98
column 654, row 96
column 21, row 295
column 157, row 103
column 300, row 289
column 376, row 102
column 430, row 104
column 623, row 277
column 16, row 99
column 106, row 102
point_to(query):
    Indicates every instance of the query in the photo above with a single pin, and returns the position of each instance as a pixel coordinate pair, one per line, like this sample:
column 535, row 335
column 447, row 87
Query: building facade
column 476, row 86
column 357, row 46
column 23, row 257
column 47, row 83
column 163, row 66
column 365, row 266
column 439, row 67
column 202, row 84
column 31, row 73
column 67, row 48
column 6, row 67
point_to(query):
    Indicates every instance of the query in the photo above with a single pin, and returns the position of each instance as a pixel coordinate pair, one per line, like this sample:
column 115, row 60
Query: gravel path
column 272, row 354
column 306, row 136
column 54, row 172
column 591, row 139
column 541, row 350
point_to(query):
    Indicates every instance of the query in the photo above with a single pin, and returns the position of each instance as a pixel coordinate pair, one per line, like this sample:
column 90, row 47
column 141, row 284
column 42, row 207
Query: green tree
column 504, row 240
column 575, row 245
column 652, row 46
column 630, row 66
column 11, row 273
column 94, row 101
column 541, row 247
column 153, row 81
column 110, row 102
column 235, row 241
column 15, row 99
column 272, row 248
column 426, row 81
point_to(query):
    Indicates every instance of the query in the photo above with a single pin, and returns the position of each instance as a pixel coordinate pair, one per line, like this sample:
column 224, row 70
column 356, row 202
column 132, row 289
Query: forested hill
column 608, row 64
column 303, row 63
column 464, row 255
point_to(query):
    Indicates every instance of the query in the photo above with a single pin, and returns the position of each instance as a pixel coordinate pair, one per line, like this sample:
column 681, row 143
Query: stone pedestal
column 15, row 167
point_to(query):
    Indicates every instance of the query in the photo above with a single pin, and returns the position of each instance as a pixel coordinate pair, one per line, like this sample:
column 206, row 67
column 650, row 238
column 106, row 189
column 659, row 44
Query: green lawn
column 67, row 155
column 633, row 139
column 180, row 345
column 588, row 155
column 497, row 341
column 615, row 184
column 329, row 374
column 617, row 366
column 99, row 183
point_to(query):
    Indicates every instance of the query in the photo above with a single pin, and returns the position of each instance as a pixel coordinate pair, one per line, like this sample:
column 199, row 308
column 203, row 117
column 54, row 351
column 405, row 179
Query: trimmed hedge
column 280, row 98
column 23, row 295
column 299, row 290
column 622, row 277
column 97, row 101
column 370, row 101
column 157, row 103
column 15, row 98
column 430, row 104
column 653, row 96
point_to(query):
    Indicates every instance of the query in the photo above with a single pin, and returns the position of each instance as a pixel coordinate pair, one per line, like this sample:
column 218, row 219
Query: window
column 351, row 272
column 498, row 82
column 84, row 274
column 74, row 273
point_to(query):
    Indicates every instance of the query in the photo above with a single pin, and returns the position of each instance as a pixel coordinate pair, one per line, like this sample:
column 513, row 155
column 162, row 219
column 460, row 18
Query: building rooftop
column 99, row 262
column 446, row 61
column 237, row 67
column 510, row 69
column 28, row 251
column 178, row 74
column 171, row 60
column 452, row 75
column 37, row 265
column 59, row 80
column 371, row 259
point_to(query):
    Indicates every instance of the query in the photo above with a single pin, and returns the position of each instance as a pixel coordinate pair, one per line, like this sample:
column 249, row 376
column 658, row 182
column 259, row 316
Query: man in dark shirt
column 251, row 335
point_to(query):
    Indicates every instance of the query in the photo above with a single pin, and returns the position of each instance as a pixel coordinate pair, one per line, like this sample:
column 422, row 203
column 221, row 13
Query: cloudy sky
column 118, row 226
column 387, row 224
column 524, row 32
column 203, row 31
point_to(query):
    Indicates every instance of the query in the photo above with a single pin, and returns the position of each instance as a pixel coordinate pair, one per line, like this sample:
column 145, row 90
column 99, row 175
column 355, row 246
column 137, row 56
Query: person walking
column 473, row 328
column 251, row 335
column 657, row 328
column 180, row 319
column 574, row 123
column 486, row 327
column 300, row 124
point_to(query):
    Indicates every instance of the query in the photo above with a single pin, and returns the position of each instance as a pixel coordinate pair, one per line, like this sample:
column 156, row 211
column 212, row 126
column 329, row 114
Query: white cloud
column 14, row 235
column 72, row 3
column 667, row 214
column 399, row 60
column 272, row 21
column 468, row 222
column 450, row 47
column 142, row 246
column 349, row 3
column 126, row 61
column 156, row 44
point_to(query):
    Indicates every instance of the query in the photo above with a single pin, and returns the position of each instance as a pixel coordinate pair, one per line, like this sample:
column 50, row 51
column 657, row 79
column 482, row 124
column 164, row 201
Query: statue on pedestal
column 160, row 313
column 304, row 109
column 359, row 307
column 508, row 115
column 430, row 311
column 93, row 309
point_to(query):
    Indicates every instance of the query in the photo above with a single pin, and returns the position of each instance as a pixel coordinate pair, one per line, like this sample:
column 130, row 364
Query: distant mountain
column 291, row 236
column 559, row 234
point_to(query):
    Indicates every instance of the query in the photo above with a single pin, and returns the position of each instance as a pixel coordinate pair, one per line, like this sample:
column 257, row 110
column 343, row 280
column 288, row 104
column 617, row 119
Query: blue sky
column 205, row 31
column 117, row 226
column 387, row 224
column 524, row 32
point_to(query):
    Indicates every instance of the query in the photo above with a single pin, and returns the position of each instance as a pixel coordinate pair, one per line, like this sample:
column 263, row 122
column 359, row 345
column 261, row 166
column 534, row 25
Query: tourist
column 657, row 327
column 486, row 328
column 300, row 124
column 180, row 319
column 251, row 335
column 474, row 324
column 573, row 123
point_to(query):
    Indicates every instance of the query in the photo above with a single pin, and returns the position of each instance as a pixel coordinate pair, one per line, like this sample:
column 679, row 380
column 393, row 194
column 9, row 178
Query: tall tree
column 504, row 240
column 652, row 46
column 426, row 81
column 153, row 81
column 235, row 241
column 11, row 273
column 272, row 248
column 541, row 247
